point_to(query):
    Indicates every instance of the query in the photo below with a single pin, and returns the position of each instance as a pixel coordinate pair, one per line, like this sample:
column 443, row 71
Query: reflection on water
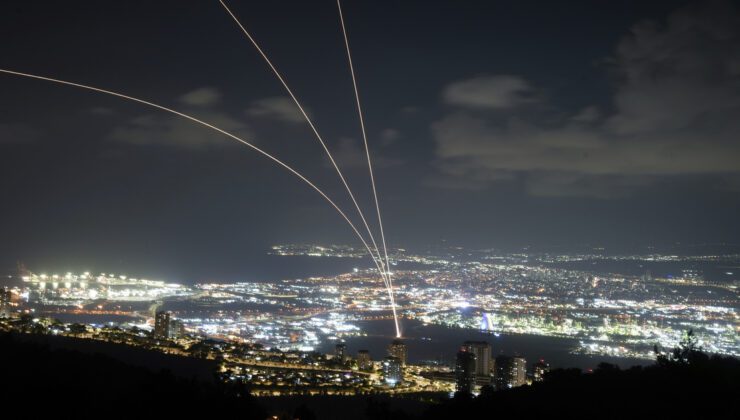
column 92, row 319
column 438, row 343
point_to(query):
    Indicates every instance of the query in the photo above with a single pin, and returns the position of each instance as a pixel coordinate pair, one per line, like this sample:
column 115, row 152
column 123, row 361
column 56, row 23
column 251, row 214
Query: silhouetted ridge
column 705, row 387
column 64, row 382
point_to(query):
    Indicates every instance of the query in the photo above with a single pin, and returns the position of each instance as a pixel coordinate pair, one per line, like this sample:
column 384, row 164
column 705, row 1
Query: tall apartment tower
column 539, row 370
column 340, row 352
column 162, row 324
column 510, row 372
column 398, row 350
column 6, row 297
column 363, row 360
column 465, row 367
column 482, row 352
column 519, row 372
column 392, row 371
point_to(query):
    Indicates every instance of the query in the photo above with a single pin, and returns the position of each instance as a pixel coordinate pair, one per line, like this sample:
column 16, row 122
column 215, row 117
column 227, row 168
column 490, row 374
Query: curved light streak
column 378, row 264
column 369, row 164
column 313, row 128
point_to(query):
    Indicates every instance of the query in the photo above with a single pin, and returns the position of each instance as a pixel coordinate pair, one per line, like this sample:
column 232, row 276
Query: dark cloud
column 166, row 130
column 14, row 133
column 205, row 96
column 350, row 153
column 389, row 136
column 278, row 108
column 676, row 111
column 151, row 129
column 587, row 115
column 684, row 74
column 497, row 92
column 102, row 111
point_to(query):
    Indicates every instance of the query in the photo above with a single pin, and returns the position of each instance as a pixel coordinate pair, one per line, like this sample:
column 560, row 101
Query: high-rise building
column 176, row 329
column 6, row 297
column 340, row 352
column 465, row 367
column 363, row 360
column 502, row 372
column 482, row 351
column 392, row 371
column 510, row 372
column 539, row 370
column 398, row 350
column 519, row 373
column 162, row 324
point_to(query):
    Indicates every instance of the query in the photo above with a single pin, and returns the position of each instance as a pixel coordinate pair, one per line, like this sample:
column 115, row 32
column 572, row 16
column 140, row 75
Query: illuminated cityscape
column 271, row 333
column 378, row 210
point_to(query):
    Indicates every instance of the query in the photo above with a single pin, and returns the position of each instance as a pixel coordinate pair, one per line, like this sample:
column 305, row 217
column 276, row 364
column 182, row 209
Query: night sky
column 491, row 123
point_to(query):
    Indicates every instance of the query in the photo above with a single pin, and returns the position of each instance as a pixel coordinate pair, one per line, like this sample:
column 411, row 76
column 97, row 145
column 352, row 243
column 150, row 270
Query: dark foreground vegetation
column 38, row 381
column 698, row 388
column 683, row 383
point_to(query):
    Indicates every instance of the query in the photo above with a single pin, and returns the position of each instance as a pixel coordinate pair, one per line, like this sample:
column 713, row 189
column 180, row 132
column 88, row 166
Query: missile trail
column 369, row 163
column 386, row 267
column 313, row 128
column 378, row 264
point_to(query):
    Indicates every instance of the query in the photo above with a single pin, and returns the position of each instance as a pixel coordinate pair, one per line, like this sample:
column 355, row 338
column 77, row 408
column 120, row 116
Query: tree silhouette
column 687, row 352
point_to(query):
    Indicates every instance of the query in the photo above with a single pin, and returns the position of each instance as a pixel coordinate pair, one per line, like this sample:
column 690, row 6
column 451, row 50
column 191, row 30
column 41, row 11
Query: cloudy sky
column 492, row 124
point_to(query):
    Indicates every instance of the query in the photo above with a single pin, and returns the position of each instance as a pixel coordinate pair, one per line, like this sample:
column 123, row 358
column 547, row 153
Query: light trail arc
column 313, row 129
column 284, row 165
column 369, row 163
